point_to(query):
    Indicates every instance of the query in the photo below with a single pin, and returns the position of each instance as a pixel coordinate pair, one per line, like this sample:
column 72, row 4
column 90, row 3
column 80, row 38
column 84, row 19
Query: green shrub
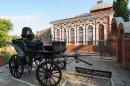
column 6, row 56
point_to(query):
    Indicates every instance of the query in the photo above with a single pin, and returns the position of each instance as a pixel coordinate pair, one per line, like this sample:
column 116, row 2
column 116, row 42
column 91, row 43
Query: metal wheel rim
column 15, row 68
column 53, row 79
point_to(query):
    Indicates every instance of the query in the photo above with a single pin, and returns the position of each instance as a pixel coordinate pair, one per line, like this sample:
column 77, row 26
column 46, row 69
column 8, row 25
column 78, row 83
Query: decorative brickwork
column 114, row 32
column 98, row 19
column 120, row 41
column 101, row 11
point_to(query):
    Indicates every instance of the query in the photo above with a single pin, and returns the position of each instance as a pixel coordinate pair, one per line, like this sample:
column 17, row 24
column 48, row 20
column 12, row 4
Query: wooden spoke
column 50, row 70
column 15, row 68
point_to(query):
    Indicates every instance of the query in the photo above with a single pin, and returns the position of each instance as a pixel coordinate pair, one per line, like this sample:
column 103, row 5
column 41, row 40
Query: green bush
column 6, row 56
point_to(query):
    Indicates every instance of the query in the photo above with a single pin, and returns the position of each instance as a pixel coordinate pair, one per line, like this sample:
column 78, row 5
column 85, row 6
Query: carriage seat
column 32, row 44
column 20, row 47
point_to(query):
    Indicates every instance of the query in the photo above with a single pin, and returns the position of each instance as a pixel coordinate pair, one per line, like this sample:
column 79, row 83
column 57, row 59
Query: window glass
column 90, row 33
column 58, row 35
column 72, row 34
column 80, row 33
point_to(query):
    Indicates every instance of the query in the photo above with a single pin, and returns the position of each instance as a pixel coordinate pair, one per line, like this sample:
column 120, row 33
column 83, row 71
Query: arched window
column 72, row 37
column 81, row 34
column 90, row 33
column 58, row 35
column 65, row 36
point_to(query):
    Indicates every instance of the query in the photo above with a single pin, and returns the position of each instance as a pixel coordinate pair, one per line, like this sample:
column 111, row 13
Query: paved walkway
column 120, row 77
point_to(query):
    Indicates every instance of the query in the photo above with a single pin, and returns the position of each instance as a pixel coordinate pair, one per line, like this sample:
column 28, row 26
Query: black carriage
column 47, row 58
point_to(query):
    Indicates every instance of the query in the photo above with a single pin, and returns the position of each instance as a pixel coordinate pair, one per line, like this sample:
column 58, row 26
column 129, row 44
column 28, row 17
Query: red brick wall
column 86, row 48
column 114, row 44
column 125, row 50
column 100, row 11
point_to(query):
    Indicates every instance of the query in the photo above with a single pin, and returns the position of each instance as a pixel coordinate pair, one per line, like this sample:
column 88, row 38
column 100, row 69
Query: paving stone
column 120, row 76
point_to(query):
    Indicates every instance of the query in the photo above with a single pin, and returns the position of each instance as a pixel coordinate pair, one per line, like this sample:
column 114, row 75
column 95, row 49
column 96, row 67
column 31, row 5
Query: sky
column 38, row 13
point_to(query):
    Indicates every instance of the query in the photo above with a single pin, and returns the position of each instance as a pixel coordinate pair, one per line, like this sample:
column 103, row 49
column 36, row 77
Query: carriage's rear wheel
column 15, row 68
column 48, row 74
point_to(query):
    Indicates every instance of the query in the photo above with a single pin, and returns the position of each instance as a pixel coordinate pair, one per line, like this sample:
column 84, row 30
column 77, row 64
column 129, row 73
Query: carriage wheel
column 61, row 62
column 15, row 68
column 48, row 74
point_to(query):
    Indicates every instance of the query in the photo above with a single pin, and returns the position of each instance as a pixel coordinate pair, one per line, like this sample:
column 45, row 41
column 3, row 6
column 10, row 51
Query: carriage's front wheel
column 48, row 74
column 15, row 68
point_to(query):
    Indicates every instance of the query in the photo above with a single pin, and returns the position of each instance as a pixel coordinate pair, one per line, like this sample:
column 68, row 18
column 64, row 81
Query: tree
column 121, row 9
column 15, row 37
column 5, row 27
column 4, row 37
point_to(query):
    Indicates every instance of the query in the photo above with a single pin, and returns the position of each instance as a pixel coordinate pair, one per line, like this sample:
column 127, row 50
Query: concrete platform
column 120, row 77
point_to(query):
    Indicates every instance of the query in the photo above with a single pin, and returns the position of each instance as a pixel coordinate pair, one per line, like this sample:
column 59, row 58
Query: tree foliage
column 15, row 37
column 121, row 9
column 5, row 27
column 4, row 37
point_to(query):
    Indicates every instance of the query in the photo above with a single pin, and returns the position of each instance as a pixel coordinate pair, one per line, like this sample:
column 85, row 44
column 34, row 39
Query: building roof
column 78, row 17
column 101, row 5
column 118, row 20
column 127, row 27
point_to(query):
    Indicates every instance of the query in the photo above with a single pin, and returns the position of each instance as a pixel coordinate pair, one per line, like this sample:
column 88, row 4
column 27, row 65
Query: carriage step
column 94, row 73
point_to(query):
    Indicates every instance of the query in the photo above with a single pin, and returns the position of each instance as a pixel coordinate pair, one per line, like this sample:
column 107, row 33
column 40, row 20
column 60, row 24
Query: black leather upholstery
column 20, row 47
column 27, row 33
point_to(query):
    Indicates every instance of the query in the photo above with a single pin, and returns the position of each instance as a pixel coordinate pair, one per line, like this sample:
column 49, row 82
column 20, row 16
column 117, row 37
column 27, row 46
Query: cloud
column 35, row 22
column 32, row 19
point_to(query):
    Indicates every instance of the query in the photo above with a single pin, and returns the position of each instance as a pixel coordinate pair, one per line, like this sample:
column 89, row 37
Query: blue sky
column 38, row 13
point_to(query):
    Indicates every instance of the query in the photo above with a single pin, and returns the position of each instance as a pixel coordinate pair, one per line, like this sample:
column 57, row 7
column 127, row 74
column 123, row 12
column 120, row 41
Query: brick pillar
column 125, row 50
column 119, row 49
column 107, row 27
column 113, row 45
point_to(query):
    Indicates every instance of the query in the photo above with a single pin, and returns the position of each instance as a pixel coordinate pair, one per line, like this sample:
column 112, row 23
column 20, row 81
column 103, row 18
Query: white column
column 75, row 36
column 60, row 34
column 94, row 35
column 97, row 34
column 63, row 34
column 84, row 35
column 67, row 36
column 105, row 34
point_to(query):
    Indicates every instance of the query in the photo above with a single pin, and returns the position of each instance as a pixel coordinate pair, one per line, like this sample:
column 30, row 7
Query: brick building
column 45, row 35
column 86, row 29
